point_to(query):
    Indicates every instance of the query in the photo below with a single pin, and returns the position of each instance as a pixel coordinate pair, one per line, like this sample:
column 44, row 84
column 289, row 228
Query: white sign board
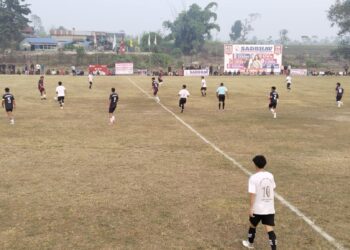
column 298, row 72
column 196, row 72
column 124, row 68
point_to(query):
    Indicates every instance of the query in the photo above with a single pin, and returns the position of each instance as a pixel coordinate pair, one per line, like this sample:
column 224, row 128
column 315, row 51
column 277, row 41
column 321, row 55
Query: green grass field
column 68, row 180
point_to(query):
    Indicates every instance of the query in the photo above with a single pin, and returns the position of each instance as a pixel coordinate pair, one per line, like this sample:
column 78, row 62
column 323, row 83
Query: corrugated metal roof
column 40, row 40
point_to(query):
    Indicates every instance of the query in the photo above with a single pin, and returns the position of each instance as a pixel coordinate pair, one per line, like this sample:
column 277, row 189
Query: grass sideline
column 68, row 180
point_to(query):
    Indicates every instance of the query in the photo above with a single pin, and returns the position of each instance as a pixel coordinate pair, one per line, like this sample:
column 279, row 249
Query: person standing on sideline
column 289, row 82
column 273, row 101
column 203, row 87
column 262, row 208
column 221, row 93
column 339, row 91
column 91, row 79
column 41, row 88
column 9, row 103
column 155, row 88
column 183, row 94
column 61, row 92
column 113, row 100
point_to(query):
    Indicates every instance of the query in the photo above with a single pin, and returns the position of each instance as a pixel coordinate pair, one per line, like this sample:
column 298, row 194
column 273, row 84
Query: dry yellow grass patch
column 68, row 180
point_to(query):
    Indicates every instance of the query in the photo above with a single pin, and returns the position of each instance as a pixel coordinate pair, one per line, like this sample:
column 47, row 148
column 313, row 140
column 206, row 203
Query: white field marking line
column 286, row 203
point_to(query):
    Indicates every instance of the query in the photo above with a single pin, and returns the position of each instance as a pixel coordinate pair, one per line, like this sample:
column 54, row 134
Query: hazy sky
column 299, row 17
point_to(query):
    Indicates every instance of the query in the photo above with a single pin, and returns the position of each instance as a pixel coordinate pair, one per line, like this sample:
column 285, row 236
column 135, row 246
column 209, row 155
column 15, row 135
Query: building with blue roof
column 38, row 44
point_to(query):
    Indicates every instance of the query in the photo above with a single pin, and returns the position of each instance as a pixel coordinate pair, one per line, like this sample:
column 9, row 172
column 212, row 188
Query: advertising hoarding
column 124, row 68
column 253, row 58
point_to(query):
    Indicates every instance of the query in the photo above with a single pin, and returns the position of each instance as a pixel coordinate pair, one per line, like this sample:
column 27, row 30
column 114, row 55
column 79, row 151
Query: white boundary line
column 286, row 203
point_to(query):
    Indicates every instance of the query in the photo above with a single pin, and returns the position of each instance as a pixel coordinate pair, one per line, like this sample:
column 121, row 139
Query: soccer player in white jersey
column 61, row 92
column 183, row 94
column 289, row 82
column 261, row 189
column 91, row 79
column 203, row 86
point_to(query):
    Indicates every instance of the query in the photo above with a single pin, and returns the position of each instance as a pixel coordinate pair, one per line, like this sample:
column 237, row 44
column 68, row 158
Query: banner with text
column 298, row 72
column 196, row 72
column 99, row 70
column 253, row 58
column 124, row 68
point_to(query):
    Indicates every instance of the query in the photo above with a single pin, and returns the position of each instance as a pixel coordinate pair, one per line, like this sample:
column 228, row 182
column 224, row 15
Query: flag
column 114, row 42
column 95, row 39
column 149, row 40
column 155, row 39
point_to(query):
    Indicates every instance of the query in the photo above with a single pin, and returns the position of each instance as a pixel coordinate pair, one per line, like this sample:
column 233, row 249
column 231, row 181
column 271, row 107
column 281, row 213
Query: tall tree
column 339, row 14
column 37, row 25
column 236, row 31
column 13, row 19
column 192, row 27
column 284, row 36
column 247, row 25
column 305, row 39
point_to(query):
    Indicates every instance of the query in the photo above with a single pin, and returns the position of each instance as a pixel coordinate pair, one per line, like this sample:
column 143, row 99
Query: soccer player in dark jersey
column 41, row 88
column 155, row 88
column 113, row 100
column 9, row 103
column 273, row 101
column 339, row 91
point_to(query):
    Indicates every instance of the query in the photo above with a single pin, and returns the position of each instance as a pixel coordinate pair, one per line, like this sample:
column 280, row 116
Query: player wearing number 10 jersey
column 9, row 103
column 113, row 100
column 262, row 209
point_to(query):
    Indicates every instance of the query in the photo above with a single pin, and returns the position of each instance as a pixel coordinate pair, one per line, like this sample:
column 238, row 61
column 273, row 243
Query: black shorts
column 60, row 99
column 112, row 109
column 267, row 219
column 339, row 97
column 155, row 92
column 222, row 98
column 203, row 88
column 288, row 85
column 273, row 105
column 9, row 109
column 182, row 101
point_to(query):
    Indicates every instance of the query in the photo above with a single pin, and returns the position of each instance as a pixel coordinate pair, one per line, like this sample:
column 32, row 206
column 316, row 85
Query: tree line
column 187, row 33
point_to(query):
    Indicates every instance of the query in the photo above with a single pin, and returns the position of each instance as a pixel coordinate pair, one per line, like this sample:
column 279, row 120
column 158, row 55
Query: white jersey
column 204, row 83
column 60, row 90
column 184, row 93
column 262, row 184
column 289, row 79
column 91, row 77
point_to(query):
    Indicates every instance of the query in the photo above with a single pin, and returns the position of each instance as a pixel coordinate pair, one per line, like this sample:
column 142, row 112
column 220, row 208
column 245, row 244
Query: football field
column 161, row 179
